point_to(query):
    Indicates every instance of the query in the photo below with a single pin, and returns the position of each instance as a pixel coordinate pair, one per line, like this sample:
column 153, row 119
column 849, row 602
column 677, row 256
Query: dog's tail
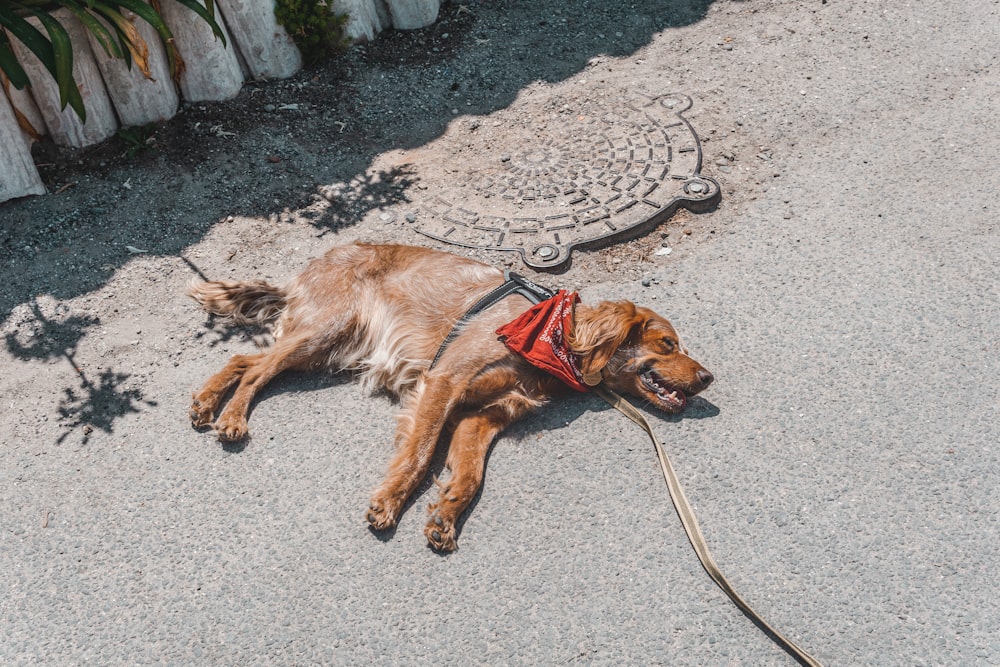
column 254, row 303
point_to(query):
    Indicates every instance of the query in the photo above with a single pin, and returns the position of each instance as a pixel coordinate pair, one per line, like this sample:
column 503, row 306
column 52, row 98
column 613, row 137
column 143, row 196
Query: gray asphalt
column 844, row 465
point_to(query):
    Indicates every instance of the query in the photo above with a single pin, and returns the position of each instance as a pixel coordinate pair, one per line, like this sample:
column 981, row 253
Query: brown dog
column 383, row 311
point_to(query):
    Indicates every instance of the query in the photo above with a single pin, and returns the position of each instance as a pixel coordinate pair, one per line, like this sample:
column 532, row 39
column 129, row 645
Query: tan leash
column 694, row 534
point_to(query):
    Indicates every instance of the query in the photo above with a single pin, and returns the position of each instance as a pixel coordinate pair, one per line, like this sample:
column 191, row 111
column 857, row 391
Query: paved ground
column 844, row 466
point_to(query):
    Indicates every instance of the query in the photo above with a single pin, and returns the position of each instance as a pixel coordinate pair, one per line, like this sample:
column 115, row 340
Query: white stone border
column 257, row 47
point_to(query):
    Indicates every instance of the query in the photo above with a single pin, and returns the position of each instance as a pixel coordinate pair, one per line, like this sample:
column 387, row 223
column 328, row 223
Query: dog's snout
column 705, row 378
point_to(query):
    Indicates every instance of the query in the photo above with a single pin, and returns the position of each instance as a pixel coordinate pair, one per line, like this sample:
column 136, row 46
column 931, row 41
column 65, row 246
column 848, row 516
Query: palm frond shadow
column 93, row 404
column 343, row 204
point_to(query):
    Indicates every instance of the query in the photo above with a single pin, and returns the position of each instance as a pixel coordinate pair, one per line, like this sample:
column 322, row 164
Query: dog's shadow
column 551, row 419
column 554, row 417
column 289, row 382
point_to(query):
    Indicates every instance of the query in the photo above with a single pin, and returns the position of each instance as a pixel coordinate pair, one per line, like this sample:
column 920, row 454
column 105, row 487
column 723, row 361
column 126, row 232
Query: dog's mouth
column 668, row 398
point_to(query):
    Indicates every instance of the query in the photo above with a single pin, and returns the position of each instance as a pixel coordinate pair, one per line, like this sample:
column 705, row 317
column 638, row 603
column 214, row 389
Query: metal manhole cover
column 593, row 177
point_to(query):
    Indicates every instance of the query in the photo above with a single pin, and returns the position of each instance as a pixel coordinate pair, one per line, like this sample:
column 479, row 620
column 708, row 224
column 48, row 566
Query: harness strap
column 513, row 284
column 694, row 534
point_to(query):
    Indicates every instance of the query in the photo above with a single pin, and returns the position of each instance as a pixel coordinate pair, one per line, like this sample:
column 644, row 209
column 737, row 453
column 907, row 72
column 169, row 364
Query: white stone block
column 413, row 14
column 18, row 176
column 22, row 101
column 366, row 18
column 213, row 72
column 65, row 126
column 137, row 99
column 266, row 47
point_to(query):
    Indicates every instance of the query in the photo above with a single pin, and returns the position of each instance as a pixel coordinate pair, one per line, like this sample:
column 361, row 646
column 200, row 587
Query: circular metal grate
column 594, row 177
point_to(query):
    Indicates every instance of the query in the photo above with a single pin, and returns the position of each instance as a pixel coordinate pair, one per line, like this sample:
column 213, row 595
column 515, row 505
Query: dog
column 383, row 311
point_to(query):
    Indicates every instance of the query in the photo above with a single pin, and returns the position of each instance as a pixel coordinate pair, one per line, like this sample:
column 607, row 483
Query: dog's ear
column 598, row 331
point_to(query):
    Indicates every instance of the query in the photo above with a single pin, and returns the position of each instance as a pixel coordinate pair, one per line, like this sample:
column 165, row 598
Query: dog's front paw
column 440, row 533
column 201, row 413
column 232, row 428
column 380, row 515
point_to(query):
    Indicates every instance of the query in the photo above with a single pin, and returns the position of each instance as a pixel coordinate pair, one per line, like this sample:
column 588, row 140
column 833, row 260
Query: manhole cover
column 589, row 178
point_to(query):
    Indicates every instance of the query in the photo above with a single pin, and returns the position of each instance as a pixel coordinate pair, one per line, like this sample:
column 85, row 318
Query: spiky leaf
column 106, row 38
column 9, row 65
column 62, row 49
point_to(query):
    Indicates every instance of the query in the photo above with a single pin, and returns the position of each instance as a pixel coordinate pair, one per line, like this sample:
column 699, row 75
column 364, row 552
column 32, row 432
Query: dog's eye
column 670, row 345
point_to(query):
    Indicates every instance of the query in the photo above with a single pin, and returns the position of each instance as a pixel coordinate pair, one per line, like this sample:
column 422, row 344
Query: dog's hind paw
column 231, row 428
column 201, row 414
column 441, row 534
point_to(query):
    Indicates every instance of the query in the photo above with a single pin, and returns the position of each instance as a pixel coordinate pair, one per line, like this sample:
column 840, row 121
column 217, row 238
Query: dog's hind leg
column 290, row 352
column 205, row 402
column 419, row 429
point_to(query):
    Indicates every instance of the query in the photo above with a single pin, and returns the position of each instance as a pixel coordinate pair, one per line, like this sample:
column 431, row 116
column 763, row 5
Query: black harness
column 513, row 284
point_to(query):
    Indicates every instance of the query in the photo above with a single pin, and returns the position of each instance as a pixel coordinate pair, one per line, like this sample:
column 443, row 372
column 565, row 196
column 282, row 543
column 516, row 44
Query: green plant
column 317, row 31
column 137, row 139
column 107, row 20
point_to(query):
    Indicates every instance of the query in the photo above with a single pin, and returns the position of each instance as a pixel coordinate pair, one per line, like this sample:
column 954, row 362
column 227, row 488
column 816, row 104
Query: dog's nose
column 705, row 377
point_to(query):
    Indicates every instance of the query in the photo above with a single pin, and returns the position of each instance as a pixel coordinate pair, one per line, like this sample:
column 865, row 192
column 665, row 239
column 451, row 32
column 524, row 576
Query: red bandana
column 539, row 335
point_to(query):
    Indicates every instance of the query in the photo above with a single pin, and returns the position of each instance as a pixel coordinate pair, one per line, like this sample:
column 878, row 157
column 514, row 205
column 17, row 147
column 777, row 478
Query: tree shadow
column 342, row 204
column 99, row 405
column 93, row 404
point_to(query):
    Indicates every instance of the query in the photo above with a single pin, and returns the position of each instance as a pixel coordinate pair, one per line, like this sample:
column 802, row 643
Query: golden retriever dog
column 383, row 312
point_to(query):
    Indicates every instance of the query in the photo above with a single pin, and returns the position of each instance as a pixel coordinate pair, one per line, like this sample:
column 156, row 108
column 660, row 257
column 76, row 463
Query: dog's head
column 637, row 352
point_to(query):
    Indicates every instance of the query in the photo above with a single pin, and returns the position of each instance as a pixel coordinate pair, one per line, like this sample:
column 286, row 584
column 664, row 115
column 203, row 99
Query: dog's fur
column 383, row 311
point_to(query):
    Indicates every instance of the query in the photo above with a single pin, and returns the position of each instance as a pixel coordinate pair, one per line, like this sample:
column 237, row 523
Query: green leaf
column 62, row 49
column 30, row 36
column 9, row 65
column 105, row 37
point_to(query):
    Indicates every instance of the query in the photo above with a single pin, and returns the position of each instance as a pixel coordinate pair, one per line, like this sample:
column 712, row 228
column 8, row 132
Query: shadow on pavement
column 95, row 402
